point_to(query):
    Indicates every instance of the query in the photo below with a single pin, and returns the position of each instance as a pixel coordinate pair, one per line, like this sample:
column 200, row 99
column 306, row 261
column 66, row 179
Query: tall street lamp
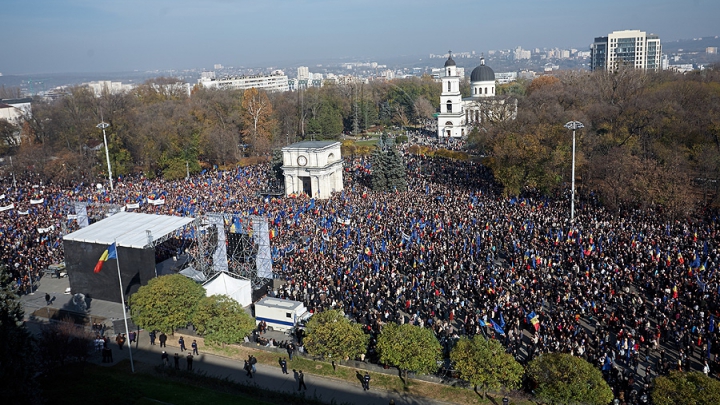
column 573, row 125
column 102, row 126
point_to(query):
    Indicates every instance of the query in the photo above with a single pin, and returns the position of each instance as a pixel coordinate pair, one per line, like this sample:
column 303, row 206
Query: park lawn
column 90, row 383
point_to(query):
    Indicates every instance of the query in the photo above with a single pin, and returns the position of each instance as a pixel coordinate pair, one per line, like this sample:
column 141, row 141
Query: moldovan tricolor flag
column 109, row 253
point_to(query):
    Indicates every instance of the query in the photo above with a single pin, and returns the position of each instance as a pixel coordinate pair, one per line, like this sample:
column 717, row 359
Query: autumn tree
column 166, row 303
column 424, row 109
column 685, row 388
column 10, row 92
column 330, row 335
column 409, row 348
column 288, row 115
column 221, row 319
column 8, row 135
column 565, row 379
column 258, row 121
column 64, row 342
column 161, row 89
column 541, row 83
column 219, row 121
column 539, row 158
column 483, row 362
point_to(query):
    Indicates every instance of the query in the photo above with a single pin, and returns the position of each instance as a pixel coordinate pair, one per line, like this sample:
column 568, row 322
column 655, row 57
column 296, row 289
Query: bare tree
column 64, row 342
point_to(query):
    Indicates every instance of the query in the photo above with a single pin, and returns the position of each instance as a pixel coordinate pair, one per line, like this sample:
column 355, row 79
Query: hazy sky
column 53, row 36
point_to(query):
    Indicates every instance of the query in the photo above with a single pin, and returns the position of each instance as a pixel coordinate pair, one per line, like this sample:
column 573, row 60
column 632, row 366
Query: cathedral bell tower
column 451, row 119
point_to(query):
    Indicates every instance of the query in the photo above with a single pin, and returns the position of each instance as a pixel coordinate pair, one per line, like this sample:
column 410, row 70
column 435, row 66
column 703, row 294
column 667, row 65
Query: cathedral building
column 459, row 115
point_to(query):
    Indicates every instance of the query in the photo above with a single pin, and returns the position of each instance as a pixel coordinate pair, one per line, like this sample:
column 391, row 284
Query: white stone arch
column 313, row 168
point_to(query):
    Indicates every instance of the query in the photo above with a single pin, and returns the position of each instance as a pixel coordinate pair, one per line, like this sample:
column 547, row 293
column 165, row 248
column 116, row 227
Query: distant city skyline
column 56, row 36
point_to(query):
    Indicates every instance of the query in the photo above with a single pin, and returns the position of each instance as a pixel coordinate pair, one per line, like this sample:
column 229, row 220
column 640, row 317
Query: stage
column 135, row 235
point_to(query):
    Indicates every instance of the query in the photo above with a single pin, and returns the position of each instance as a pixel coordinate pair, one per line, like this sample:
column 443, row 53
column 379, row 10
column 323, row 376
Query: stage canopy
column 238, row 289
column 129, row 229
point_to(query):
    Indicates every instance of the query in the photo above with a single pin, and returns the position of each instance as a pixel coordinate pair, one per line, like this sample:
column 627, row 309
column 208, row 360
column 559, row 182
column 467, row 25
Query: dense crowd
column 629, row 290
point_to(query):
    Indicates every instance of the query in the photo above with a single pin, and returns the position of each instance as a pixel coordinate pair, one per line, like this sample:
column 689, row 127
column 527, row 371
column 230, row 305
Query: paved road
column 146, row 356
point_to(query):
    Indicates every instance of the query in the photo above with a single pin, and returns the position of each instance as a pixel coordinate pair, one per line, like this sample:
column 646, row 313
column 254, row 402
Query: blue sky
column 55, row 36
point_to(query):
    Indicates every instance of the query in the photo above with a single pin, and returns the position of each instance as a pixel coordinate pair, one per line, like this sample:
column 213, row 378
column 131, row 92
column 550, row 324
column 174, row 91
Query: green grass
column 89, row 383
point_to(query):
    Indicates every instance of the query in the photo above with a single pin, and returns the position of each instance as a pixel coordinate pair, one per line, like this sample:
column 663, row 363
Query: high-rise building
column 521, row 54
column 633, row 48
column 303, row 73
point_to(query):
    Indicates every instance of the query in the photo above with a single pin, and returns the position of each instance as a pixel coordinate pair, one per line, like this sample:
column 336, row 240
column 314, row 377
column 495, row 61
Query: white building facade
column 16, row 110
column 109, row 87
column 271, row 83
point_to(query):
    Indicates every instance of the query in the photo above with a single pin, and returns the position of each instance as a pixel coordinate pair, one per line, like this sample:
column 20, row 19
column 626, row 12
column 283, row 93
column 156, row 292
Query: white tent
column 193, row 274
column 238, row 289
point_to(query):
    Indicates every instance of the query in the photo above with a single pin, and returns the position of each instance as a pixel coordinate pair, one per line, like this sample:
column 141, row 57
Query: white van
column 279, row 314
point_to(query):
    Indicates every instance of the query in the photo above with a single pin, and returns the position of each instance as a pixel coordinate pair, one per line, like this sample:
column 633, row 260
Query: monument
column 313, row 167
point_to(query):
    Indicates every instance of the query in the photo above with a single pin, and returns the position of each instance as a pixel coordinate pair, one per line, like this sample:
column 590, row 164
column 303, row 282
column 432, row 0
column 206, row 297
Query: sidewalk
column 267, row 377
column 146, row 357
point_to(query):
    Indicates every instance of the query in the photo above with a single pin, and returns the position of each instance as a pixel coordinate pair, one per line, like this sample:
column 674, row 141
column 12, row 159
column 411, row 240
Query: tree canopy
column 409, row 348
column 221, row 319
column 650, row 138
column 258, row 120
column 483, row 362
column 565, row 379
column 166, row 303
column 686, row 388
column 330, row 335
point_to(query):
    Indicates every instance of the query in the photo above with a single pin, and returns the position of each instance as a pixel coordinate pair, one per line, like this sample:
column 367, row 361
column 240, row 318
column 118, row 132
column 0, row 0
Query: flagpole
column 122, row 298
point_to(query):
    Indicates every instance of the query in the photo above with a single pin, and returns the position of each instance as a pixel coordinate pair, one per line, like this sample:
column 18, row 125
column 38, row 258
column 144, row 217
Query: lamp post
column 574, row 125
column 102, row 126
column 12, row 168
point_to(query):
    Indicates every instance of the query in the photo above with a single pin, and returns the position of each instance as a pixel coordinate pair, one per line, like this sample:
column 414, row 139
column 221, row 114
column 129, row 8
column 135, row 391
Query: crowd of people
column 630, row 290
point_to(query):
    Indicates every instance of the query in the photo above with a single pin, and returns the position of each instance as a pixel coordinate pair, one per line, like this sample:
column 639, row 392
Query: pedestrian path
column 267, row 377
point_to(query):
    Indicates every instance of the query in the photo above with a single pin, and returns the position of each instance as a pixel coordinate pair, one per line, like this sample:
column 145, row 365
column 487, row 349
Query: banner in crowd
column 7, row 207
column 38, row 201
column 159, row 201
column 134, row 206
column 81, row 212
column 45, row 230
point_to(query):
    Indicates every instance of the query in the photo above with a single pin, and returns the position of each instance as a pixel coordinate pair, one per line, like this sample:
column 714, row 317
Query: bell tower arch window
column 449, row 106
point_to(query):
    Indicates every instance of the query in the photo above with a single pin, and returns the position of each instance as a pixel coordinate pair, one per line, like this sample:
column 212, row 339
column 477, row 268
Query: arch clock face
column 301, row 160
